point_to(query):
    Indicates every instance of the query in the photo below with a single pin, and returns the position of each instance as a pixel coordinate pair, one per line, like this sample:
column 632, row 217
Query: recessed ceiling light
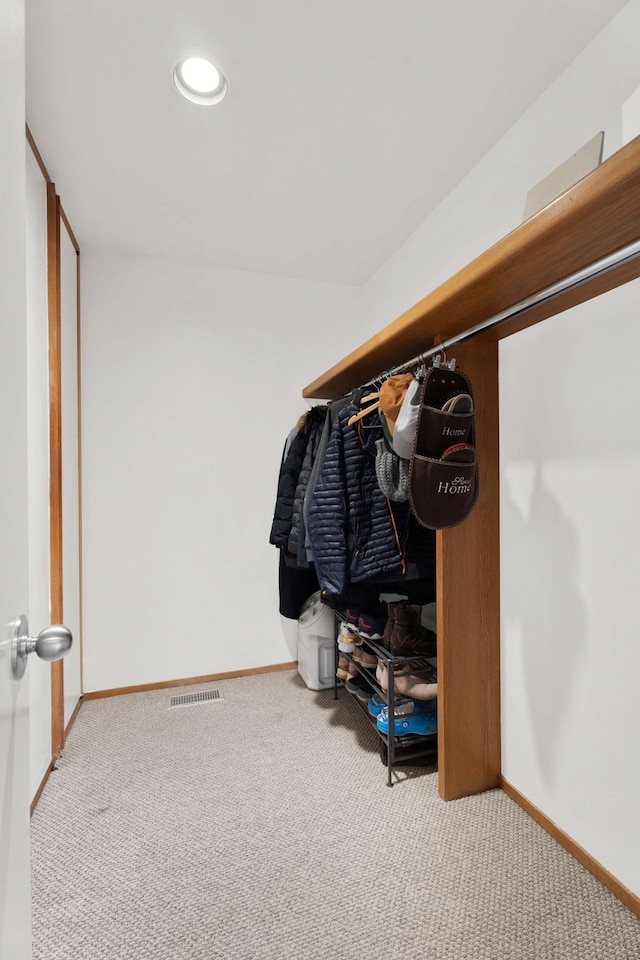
column 200, row 81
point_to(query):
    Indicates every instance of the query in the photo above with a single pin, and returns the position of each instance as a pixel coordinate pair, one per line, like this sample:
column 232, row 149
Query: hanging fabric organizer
column 581, row 245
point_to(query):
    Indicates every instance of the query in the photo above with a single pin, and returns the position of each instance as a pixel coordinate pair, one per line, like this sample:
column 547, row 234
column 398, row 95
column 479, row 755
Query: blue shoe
column 376, row 704
column 403, row 706
column 418, row 724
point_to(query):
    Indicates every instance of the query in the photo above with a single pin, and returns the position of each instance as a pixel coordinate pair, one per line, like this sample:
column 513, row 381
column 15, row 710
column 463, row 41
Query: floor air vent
column 189, row 699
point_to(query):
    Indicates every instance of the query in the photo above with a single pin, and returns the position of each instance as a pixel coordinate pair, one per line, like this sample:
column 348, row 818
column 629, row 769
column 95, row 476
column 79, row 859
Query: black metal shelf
column 425, row 745
column 428, row 740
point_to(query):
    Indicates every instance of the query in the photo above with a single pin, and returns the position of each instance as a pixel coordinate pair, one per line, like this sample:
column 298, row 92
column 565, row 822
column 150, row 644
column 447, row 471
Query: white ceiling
column 346, row 123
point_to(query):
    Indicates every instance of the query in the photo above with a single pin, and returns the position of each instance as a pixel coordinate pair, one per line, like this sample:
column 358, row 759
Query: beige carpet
column 261, row 828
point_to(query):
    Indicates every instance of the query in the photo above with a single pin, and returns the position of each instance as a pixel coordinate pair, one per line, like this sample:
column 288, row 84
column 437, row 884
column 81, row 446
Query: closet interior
column 582, row 244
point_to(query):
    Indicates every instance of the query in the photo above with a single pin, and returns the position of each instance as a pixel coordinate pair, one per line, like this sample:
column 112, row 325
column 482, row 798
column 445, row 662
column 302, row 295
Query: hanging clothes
column 357, row 534
column 295, row 587
column 290, row 470
column 296, row 582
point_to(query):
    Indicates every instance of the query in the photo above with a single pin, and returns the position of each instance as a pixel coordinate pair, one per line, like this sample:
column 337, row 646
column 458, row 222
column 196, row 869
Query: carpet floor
column 260, row 827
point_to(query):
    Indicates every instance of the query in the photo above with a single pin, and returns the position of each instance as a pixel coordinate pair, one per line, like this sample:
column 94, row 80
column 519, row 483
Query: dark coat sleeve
column 287, row 483
column 328, row 520
column 301, row 487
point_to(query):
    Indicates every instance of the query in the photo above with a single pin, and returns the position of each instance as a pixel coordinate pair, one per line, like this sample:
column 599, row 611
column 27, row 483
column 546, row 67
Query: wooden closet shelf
column 595, row 217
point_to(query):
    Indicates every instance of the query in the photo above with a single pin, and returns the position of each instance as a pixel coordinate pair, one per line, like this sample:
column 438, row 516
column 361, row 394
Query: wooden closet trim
column 52, row 766
column 55, row 456
column 37, row 155
column 186, row 681
column 468, row 607
column 72, row 237
column 595, row 868
column 597, row 216
column 47, row 178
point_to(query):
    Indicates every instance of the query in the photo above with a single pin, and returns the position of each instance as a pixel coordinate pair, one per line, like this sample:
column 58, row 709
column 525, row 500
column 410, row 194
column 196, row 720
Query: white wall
column 569, row 472
column 39, row 672
column 570, row 519
column 191, row 380
column 489, row 202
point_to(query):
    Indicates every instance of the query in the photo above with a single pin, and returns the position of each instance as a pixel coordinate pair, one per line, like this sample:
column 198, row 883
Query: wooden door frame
column 55, row 457
column 55, row 218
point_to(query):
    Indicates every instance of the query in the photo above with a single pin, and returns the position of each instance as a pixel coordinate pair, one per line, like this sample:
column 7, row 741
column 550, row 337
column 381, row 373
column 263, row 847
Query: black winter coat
column 357, row 534
column 301, row 487
column 290, row 475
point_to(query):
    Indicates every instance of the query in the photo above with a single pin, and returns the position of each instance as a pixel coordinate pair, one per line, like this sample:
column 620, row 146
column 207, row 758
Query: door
column 15, row 881
column 15, row 905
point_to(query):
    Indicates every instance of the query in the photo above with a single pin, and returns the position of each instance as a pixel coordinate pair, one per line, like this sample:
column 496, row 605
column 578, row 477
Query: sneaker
column 342, row 670
column 364, row 694
column 419, row 724
column 352, row 671
column 345, row 639
column 372, row 622
column 376, row 704
column 352, row 615
column 364, row 658
column 356, row 685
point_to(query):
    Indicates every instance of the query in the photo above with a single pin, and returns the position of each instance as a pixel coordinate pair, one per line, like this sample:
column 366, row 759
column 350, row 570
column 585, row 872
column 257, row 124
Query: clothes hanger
column 440, row 360
column 362, row 413
column 378, row 382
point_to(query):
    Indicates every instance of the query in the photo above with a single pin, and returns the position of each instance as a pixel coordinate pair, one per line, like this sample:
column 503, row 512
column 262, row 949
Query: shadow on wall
column 544, row 614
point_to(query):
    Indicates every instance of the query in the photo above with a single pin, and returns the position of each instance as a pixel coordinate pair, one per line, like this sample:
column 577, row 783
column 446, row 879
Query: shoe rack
column 412, row 746
column 596, row 218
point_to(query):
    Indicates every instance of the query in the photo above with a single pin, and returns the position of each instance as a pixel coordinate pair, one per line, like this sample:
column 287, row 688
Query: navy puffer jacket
column 357, row 534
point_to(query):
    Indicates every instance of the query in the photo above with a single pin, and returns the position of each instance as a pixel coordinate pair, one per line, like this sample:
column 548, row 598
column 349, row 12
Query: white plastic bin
column 316, row 644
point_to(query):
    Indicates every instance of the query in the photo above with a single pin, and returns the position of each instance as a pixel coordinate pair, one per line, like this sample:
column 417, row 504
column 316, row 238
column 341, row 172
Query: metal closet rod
column 596, row 269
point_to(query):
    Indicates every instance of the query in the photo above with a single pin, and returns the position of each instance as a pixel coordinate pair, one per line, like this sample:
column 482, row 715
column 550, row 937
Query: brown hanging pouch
column 443, row 472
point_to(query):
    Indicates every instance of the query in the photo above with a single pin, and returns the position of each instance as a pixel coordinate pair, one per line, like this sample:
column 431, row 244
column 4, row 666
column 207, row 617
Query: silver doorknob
column 52, row 643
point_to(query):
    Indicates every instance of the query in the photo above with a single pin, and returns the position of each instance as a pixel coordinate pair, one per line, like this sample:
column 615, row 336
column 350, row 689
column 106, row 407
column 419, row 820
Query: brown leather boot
column 388, row 627
column 408, row 636
column 404, row 633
